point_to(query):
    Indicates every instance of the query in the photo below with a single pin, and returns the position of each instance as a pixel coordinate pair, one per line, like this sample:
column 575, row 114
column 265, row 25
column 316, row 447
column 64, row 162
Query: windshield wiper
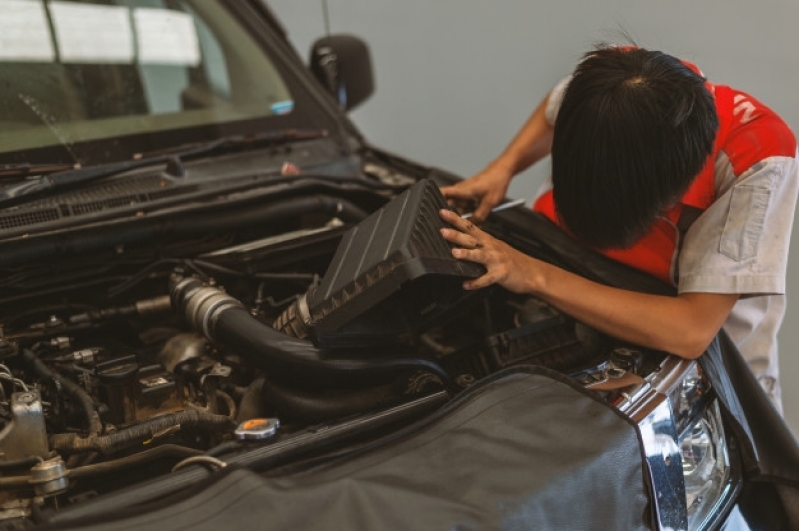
column 237, row 141
column 22, row 170
column 60, row 180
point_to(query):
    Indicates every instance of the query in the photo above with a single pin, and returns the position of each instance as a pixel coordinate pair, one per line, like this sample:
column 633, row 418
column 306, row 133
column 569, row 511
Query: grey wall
column 457, row 78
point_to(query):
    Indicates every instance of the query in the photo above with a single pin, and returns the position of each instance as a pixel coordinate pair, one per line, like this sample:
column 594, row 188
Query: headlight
column 687, row 454
column 703, row 449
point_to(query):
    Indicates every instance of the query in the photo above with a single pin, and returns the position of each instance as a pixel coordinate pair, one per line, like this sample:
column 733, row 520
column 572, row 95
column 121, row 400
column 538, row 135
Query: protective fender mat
column 525, row 449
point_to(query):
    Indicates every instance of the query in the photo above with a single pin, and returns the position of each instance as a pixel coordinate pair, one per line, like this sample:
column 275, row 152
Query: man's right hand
column 488, row 188
column 479, row 193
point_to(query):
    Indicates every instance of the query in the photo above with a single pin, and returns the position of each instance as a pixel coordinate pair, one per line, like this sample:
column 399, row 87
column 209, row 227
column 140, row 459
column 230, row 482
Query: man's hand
column 504, row 265
column 482, row 192
column 487, row 189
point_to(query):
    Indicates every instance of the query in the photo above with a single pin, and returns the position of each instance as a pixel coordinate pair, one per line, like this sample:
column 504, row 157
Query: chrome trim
column 661, row 383
column 649, row 406
column 664, row 461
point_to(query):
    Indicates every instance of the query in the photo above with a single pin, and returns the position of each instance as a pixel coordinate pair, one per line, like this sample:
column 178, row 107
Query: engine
column 250, row 338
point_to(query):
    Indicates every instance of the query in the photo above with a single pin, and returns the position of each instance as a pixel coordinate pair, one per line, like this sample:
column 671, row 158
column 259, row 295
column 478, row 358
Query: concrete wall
column 457, row 78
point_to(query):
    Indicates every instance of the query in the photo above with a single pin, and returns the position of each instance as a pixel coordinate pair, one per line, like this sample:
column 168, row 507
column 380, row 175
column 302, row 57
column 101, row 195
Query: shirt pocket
column 744, row 224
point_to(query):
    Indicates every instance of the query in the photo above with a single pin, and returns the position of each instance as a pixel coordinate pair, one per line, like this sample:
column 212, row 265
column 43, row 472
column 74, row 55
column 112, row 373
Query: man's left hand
column 504, row 265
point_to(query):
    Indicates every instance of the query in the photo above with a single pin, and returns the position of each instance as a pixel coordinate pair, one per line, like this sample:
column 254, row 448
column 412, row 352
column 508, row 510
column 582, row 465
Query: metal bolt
column 465, row 380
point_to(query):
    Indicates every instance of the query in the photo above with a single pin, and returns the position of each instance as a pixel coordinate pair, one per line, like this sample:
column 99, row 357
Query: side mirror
column 342, row 64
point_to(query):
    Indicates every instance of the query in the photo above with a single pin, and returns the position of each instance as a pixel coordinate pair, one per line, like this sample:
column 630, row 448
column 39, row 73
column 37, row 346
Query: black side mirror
column 342, row 64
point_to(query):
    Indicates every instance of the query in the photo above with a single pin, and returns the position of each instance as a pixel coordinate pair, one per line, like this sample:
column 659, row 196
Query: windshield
column 76, row 74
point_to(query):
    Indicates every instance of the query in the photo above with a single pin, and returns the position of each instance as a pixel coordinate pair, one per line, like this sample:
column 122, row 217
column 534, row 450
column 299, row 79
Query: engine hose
column 159, row 452
column 145, row 456
column 292, row 404
column 251, row 404
column 224, row 320
column 93, row 423
column 41, row 249
column 136, row 435
column 25, row 462
column 259, row 214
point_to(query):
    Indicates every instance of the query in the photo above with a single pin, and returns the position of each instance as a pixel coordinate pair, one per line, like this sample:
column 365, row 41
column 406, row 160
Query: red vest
column 748, row 132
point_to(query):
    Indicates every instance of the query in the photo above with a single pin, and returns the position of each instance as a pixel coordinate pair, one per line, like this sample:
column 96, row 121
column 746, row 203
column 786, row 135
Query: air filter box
column 392, row 275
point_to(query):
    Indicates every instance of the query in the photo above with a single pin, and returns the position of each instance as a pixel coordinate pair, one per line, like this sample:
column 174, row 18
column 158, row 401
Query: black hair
column 634, row 129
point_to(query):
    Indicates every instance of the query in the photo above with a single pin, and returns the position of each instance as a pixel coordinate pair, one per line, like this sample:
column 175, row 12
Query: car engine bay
column 120, row 363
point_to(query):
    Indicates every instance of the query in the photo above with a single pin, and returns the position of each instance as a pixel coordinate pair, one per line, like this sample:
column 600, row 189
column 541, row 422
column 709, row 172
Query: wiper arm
column 60, row 180
column 237, row 141
column 24, row 169
column 26, row 190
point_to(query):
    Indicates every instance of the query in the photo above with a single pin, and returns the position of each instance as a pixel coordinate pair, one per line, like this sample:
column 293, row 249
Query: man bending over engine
column 655, row 167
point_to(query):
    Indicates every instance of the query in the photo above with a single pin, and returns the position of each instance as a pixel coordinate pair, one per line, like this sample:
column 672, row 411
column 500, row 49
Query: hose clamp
column 203, row 306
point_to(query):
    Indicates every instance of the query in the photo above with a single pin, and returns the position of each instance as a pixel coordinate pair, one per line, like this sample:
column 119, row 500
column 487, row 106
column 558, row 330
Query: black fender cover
column 522, row 449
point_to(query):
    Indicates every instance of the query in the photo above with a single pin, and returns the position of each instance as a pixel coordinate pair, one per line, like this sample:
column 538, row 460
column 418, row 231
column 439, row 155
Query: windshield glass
column 73, row 73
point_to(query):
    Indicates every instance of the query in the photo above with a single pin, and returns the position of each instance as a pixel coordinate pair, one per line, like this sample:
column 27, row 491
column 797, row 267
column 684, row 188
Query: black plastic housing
column 392, row 275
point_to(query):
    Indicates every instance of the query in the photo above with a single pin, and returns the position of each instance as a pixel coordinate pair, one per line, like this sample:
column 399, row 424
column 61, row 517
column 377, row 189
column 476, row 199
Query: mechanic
column 655, row 167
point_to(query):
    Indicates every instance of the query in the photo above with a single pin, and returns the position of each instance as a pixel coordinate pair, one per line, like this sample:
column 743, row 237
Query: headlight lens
column 703, row 447
column 706, row 466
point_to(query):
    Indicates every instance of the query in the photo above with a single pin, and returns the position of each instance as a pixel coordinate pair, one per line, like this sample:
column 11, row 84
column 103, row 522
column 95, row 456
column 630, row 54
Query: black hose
column 15, row 482
column 251, row 404
column 276, row 352
column 75, row 243
column 294, row 404
column 38, row 249
column 223, row 319
column 25, row 462
column 136, row 435
column 229, row 447
column 159, row 452
column 145, row 456
column 259, row 214
column 93, row 424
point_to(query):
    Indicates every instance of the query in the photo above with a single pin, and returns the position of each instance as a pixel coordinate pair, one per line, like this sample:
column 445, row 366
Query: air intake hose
column 224, row 320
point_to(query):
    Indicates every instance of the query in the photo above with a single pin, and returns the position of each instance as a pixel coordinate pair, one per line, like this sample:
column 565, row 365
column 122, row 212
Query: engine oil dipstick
column 257, row 429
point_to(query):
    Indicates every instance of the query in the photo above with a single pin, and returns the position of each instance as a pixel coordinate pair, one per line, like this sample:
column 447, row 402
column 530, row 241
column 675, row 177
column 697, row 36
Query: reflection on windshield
column 72, row 71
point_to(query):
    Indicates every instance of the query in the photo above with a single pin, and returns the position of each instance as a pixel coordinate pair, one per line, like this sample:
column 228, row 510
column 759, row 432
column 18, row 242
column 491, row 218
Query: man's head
column 634, row 129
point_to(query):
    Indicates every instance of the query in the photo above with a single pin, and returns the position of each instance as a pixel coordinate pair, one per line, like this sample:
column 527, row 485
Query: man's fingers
column 481, row 213
column 479, row 282
column 455, row 193
column 463, row 199
column 459, row 238
column 472, row 255
column 471, row 245
column 450, row 191
column 463, row 225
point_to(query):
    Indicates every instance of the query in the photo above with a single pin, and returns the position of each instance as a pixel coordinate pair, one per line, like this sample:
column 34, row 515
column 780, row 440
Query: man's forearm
column 682, row 325
column 532, row 143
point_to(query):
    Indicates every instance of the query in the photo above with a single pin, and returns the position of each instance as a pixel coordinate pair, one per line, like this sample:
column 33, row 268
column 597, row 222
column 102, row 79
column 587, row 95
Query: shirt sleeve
column 554, row 100
column 740, row 244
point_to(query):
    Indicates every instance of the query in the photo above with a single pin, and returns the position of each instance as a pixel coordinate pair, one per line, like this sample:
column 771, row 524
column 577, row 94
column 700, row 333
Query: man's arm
column 489, row 187
column 532, row 143
column 683, row 325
